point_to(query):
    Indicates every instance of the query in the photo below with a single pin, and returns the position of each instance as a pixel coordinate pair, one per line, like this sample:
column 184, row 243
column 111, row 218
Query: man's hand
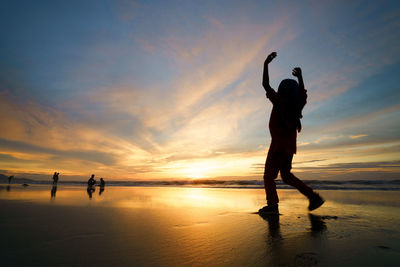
column 270, row 58
column 296, row 72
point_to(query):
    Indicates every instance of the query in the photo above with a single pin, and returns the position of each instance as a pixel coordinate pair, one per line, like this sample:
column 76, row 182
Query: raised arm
column 271, row 94
column 303, row 92
column 265, row 82
column 297, row 73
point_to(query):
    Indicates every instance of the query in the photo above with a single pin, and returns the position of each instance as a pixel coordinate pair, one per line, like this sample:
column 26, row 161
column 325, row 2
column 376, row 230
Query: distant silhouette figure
column 10, row 178
column 91, row 186
column 102, row 185
column 91, row 181
column 284, row 124
column 53, row 191
column 55, row 178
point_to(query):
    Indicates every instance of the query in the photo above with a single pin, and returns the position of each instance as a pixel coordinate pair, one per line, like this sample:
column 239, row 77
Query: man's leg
column 270, row 173
column 290, row 179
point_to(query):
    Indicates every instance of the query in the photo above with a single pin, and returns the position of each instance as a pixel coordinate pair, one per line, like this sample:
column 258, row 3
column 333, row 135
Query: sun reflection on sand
column 179, row 226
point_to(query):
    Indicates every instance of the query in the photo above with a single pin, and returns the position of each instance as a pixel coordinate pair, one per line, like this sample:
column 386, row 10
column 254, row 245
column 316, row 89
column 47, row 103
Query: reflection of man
column 317, row 224
column 53, row 191
column 278, row 253
column 90, row 191
column 273, row 224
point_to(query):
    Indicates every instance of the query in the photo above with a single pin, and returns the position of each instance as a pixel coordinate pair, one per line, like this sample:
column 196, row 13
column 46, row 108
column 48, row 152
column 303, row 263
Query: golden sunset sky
column 172, row 89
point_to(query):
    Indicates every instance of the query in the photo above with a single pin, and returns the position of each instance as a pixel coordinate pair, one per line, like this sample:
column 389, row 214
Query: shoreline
column 361, row 185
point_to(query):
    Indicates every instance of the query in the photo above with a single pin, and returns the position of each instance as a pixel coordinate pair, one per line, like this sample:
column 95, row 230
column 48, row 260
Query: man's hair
column 289, row 90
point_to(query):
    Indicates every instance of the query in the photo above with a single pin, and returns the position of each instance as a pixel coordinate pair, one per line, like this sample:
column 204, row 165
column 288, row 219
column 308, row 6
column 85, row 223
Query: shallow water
column 175, row 226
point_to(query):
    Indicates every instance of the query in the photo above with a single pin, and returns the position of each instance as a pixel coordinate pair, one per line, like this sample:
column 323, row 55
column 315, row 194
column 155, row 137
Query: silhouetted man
column 91, row 181
column 102, row 185
column 284, row 124
column 55, row 178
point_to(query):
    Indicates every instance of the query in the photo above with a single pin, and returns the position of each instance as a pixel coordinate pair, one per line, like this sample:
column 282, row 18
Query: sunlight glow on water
column 196, row 226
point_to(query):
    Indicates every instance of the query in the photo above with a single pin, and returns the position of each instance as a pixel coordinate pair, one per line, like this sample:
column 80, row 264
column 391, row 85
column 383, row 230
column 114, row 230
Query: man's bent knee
column 270, row 176
column 287, row 177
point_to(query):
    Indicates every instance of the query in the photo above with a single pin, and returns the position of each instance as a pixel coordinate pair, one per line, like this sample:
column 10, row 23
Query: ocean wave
column 315, row 184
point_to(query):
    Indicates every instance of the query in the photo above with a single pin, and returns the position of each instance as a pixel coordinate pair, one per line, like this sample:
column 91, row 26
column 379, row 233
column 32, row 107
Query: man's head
column 288, row 88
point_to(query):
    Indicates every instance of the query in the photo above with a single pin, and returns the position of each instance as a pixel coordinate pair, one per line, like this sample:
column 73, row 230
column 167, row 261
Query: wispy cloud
column 358, row 136
column 146, row 96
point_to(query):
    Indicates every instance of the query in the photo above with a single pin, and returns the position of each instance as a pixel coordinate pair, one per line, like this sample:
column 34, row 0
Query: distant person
column 55, row 177
column 102, row 185
column 91, row 181
column 91, row 186
column 284, row 124
column 10, row 178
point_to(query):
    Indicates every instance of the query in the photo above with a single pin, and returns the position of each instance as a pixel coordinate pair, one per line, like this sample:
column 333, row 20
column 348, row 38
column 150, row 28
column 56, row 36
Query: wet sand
column 166, row 226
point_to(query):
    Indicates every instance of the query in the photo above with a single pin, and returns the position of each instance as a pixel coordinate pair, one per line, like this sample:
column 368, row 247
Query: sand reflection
column 177, row 226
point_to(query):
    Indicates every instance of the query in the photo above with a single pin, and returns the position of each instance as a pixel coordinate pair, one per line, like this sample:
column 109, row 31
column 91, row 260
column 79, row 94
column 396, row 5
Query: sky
column 172, row 89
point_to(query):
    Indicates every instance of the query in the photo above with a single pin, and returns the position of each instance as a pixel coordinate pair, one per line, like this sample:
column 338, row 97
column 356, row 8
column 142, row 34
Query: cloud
column 159, row 98
column 192, row 104
column 358, row 136
column 358, row 165
column 349, row 170
column 85, row 155
column 335, row 133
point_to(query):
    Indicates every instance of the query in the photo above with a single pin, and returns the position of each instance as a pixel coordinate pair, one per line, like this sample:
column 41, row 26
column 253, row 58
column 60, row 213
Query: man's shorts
column 277, row 161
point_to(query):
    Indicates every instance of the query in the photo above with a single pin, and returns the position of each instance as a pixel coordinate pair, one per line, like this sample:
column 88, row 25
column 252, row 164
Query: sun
column 194, row 173
column 198, row 170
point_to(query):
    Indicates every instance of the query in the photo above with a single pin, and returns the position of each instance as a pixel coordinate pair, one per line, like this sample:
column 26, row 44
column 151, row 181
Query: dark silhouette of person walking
column 55, row 178
column 284, row 124
column 10, row 178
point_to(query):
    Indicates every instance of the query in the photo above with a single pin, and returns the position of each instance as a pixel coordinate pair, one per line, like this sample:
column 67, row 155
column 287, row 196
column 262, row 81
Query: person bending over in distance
column 91, row 181
column 284, row 124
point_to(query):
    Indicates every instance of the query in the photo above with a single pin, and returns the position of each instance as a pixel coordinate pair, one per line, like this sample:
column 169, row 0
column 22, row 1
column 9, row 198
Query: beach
column 188, row 226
